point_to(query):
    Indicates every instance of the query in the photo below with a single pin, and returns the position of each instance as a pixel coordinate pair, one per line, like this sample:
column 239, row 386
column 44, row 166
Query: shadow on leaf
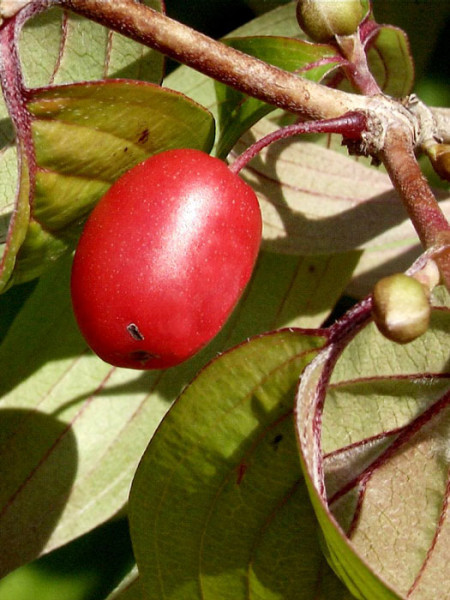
column 38, row 456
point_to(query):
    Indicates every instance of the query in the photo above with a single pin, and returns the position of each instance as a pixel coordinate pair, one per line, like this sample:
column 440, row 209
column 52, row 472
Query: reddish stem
column 351, row 125
column 13, row 86
column 339, row 336
column 424, row 211
column 15, row 92
column 356, row 67
column 268, row 83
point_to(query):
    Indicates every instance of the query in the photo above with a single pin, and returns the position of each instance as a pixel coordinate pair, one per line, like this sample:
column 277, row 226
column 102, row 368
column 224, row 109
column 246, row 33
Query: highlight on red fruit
column 164, row 258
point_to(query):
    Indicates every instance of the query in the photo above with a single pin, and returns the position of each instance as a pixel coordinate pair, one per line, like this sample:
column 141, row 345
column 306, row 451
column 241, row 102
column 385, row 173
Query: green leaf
column 127, row 120
column 129, row 588
column 61, row 47
column 390, row 61
column 15, row 218
column 99, row 419
column 384, row 455
column 218, row 507
column 85, row 136
column 69, row 422
column 424, row 23
column 289, row 291
column 237, row 112
column 279, row 21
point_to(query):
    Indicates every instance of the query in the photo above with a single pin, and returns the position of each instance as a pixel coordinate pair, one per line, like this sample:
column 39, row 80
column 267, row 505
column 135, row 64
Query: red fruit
column 164, row 258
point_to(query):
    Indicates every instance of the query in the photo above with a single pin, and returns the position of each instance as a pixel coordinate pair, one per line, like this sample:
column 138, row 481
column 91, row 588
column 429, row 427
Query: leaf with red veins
column 389, row 56
column 219, row 495
column 390, row 60
column 61, row 47
column 374, row 432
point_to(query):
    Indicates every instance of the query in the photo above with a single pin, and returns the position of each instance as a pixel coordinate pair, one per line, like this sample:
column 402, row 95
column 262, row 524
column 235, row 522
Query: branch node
column 425, row 126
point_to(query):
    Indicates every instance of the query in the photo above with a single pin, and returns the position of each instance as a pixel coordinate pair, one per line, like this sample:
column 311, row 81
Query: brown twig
column 424, row 211
column 223, row 63
column 442, row 120
column 392, row 137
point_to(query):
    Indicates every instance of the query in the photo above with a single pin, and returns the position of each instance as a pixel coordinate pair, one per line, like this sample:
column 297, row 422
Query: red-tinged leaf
column 316, row 200
column 377, row 460
column 18, row 217
column 49, row 51
column 390, row 61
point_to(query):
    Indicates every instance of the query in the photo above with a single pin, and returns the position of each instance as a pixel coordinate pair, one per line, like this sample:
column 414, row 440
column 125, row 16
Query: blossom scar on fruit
column 133, row 330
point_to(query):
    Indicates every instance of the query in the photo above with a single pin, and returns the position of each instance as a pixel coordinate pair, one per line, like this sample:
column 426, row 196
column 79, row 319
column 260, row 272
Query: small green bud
column 8, row 8
column 322, row 20
column 401, row 308
column 439, row 155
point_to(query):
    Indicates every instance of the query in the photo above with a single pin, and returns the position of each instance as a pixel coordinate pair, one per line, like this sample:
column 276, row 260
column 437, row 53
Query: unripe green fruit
column 322, row 20
column 401, row 308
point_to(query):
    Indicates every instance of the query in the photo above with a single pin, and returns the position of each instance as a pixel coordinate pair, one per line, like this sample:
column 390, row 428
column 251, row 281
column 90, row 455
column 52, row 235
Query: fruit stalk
column 350, row 125
column 357, row 68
